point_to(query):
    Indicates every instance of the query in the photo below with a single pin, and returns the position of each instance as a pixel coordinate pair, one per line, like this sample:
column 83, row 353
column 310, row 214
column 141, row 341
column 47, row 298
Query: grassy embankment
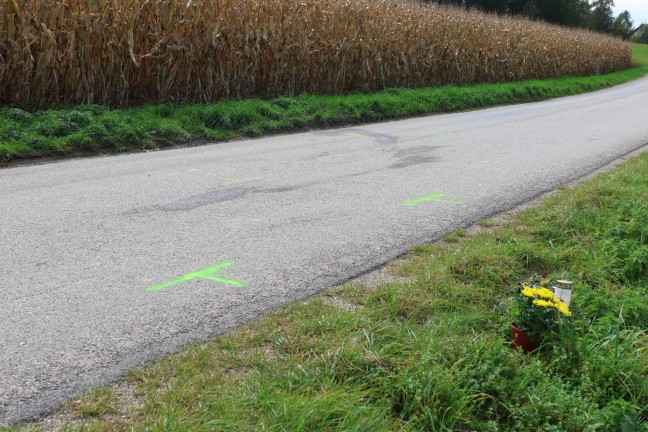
column 430, row 352
column 88, row 129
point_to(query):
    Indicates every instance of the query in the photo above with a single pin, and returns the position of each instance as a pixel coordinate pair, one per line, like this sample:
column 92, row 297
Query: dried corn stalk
column 116, row 52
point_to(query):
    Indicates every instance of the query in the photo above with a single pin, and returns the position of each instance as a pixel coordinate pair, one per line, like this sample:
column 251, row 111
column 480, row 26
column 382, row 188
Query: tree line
column 596, row 15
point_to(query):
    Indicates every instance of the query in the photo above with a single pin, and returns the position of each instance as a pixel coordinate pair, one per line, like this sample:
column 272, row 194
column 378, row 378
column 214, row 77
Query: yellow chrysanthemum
column 528, row 291
column 562, row 308
column 545, row 293
column 543, row 303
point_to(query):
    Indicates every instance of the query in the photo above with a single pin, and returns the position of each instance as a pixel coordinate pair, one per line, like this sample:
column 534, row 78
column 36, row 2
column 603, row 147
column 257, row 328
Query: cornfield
column 119, row 52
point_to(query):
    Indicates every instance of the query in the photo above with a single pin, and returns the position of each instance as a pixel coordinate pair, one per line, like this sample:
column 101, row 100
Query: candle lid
column 564, row 284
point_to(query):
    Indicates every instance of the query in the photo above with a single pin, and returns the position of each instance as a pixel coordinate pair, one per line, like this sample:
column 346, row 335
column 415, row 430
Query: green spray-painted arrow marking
column 436, row 197
column 209, row 273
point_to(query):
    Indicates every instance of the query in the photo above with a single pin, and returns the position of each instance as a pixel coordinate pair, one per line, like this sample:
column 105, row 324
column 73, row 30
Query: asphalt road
column 110, row 262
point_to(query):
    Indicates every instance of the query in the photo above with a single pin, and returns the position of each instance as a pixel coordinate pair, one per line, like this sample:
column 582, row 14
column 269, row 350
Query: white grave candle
column 563, row 291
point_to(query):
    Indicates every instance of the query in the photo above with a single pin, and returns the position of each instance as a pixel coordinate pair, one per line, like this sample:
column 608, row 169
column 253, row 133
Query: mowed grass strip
column 431, row 352
column 92, row 129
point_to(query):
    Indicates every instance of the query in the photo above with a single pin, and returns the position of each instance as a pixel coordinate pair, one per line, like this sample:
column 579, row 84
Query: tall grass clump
column 117, row 52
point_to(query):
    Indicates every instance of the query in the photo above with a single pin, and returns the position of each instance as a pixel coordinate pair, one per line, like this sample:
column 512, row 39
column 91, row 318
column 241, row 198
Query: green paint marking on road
column 436, row 197
column 228, row 182
column 357, row 135
column 435, row 134
column 209, row 273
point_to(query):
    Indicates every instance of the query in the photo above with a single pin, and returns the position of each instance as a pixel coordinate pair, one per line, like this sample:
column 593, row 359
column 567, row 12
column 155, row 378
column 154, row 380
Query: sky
column 638, row 10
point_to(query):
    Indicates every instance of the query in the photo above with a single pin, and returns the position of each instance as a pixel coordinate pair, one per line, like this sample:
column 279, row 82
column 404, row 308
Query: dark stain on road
column 413, row 160
column 386, row 140
column 380, row 138
column 281, row 189
column 409, row 156
column 415, row 150
column 219, row 196
column 213, row 197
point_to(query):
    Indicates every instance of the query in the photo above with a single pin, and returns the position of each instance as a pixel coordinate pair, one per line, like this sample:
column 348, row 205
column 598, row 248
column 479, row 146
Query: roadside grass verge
column 92, row 129
column 430, row 352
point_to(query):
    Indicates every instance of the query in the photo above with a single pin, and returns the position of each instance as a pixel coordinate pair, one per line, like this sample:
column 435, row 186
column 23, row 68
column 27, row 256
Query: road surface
column 110, row 262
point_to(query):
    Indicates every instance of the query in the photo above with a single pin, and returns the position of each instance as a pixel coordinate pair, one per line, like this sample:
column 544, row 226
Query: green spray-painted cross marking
column 208, row 273
column 436, row 197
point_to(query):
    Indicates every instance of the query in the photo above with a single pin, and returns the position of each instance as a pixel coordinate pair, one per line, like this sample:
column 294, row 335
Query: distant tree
column 571, row 13
column 602, row 17
column 623, row 25
column 527, row 8
column 499, row 6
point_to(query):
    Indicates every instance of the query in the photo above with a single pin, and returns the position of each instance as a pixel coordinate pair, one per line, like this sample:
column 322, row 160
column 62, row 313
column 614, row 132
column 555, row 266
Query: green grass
column 100, row 401
column 454, row 236
column 431, row 353
column 486, row 223
column 90, row 129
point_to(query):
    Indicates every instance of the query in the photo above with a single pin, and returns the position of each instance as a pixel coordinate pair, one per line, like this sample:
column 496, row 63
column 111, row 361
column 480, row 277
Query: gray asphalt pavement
column 110, row 262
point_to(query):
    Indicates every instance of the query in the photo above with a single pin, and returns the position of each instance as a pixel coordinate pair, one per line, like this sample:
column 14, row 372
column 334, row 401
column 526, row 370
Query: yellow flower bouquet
column 539, row 311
